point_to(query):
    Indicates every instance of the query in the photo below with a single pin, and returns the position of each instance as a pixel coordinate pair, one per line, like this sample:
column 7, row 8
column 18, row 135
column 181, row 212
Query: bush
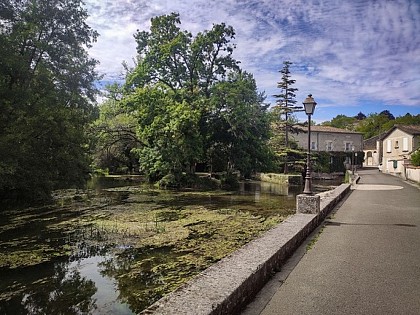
column 415, row 158
column 230, row 181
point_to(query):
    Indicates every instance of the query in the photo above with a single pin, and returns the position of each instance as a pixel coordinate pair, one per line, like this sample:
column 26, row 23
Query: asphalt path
column 365, row 259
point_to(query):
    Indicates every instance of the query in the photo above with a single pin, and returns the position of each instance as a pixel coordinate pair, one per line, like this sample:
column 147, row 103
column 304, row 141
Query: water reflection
column 85, row 269
column 53, row 289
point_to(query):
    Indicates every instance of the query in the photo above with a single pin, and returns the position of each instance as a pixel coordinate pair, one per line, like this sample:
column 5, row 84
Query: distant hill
column 373, row 124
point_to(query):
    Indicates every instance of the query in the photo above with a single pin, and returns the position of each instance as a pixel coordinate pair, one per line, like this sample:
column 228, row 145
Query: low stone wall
column 413, row 173
column 227, row 286
column 290, row 179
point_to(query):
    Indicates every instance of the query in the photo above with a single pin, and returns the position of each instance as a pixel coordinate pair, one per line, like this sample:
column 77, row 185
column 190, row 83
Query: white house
column 397, row 145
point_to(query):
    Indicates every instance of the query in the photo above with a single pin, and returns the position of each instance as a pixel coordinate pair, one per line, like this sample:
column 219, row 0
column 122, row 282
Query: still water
column 119, row 246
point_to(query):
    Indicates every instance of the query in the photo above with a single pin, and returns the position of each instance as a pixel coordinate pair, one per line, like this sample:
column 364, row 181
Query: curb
column 228, row 285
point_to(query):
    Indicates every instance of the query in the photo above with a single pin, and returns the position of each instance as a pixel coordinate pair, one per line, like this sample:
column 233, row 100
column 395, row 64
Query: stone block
column 308, row 204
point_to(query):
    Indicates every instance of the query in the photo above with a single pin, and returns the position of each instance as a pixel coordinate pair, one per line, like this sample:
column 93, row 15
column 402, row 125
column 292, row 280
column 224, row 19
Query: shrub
column 415, row 158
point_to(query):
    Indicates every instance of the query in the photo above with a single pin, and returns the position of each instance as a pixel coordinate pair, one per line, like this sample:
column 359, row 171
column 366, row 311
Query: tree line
column 185, row 106
column 373, row 124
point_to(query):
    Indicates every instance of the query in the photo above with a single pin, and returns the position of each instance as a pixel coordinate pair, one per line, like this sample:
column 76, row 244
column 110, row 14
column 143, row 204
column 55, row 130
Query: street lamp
column 309, row 105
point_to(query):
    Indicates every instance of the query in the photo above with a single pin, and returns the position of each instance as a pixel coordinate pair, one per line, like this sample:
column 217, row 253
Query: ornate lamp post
column 309, row 105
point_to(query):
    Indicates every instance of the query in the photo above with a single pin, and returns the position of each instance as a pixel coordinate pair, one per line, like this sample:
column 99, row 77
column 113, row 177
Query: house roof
column 370, row 144
column 410, row 129
column 327, row 129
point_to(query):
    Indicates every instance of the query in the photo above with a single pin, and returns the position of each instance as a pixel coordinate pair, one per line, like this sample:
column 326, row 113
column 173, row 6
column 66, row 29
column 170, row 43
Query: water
column 120, row 246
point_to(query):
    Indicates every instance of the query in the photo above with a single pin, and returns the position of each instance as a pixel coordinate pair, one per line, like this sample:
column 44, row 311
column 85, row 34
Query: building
column 345, row 147
column 398, row 144
column 329, row 139
column 372, row 148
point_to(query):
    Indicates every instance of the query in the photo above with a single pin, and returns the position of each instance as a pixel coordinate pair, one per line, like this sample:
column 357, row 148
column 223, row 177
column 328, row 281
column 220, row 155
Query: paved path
column 365, row 261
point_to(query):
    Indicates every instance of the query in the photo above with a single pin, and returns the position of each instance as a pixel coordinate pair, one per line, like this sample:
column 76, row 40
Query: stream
column 120, row 245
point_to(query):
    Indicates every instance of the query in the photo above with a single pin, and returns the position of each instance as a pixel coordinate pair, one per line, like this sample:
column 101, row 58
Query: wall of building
column 330, row 141
column 397, row 145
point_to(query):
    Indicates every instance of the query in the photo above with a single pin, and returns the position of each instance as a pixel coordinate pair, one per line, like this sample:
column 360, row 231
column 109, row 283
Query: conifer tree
column 285, row 103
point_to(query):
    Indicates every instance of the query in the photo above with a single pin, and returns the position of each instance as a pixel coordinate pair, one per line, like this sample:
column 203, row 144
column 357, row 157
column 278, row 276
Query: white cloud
column 343, row 52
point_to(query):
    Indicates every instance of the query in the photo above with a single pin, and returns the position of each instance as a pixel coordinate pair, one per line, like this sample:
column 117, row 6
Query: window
column 347, row 146
column 405, row 144
column 388, row 146
column 329, row 146
column 313, row 145
column 396, row 144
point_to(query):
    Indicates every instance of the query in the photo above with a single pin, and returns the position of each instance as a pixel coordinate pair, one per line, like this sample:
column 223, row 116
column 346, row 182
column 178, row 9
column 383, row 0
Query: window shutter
column 405, row 144
column 388, row 146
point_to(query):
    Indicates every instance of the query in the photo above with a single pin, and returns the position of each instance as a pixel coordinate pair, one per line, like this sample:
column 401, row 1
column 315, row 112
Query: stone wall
column 227, row 286
column 413, row 173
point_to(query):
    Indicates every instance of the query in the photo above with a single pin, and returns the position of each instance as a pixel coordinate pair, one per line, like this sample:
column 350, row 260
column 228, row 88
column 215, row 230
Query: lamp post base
column 308, row 185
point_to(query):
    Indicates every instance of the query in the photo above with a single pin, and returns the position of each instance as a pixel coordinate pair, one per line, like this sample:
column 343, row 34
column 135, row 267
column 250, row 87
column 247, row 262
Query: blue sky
column 352, row 55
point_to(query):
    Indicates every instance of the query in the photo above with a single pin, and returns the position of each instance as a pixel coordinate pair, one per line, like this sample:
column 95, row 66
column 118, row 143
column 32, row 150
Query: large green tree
column 192, row 102
column 239, row 125
column 167, row 129
column 46, row 94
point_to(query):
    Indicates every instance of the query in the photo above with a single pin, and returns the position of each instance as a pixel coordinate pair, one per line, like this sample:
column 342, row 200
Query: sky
column 351, row 55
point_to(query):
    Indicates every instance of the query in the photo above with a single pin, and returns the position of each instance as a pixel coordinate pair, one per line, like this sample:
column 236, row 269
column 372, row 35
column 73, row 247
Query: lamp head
column 309, row 105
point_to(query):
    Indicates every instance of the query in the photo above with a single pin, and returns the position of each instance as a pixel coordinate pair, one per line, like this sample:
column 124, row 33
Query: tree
column 415, row 158
column 286, row 100
column 285, row 104
column 192, row 103
column 373, row 125
column 341, row 121
column 239, row 125
column 388, row 114
column 360, row 116
column 116, row 138
column 46, row 93
column 180, row 61
column 167, row 129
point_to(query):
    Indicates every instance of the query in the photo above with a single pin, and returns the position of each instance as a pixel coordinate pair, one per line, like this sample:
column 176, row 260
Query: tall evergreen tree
column 285, row 103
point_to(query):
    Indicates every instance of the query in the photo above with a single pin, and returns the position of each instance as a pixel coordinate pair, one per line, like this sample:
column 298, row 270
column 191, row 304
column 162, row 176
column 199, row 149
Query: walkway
column 365, row 261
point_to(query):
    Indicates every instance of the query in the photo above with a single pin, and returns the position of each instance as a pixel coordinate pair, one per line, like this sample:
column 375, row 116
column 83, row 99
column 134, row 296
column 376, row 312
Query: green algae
column 167, row 236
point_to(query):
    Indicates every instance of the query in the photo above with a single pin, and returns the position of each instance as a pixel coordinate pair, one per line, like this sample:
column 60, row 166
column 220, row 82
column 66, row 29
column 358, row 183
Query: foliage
column 192, row 104
column 46, row 89
column 415, row 158
column 360, row 116
column 372, row 125
column 168, row 130
column 342, row 122
column 285, row 102
column 376, row 124
column 237, row 125
column 115, row 135
column 388, row 114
